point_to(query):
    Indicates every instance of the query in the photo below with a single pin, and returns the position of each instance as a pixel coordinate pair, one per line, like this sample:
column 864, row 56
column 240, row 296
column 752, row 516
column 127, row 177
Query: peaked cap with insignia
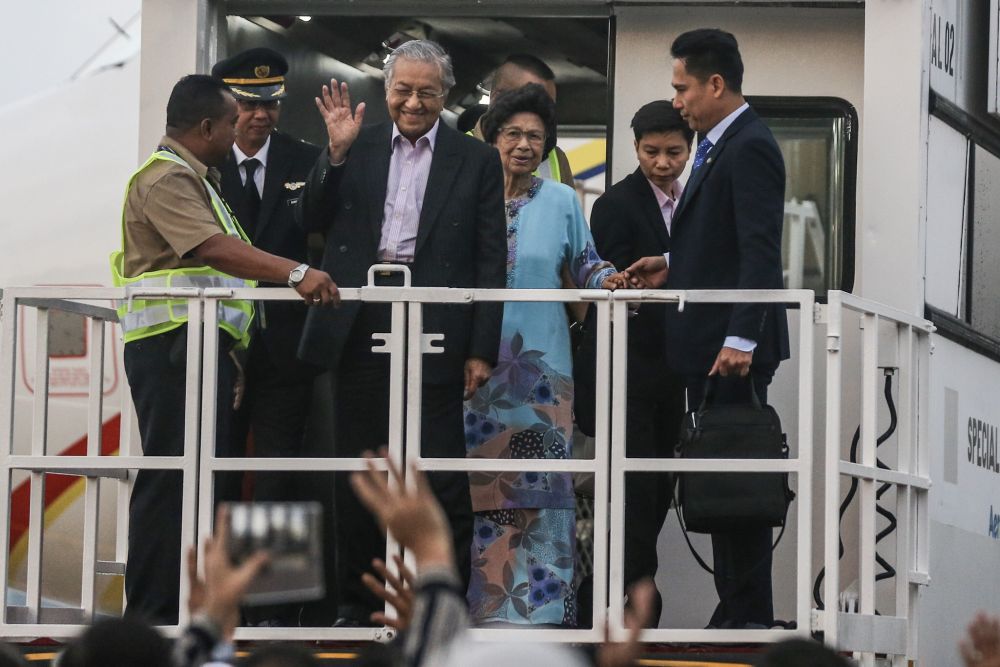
column 254, row 75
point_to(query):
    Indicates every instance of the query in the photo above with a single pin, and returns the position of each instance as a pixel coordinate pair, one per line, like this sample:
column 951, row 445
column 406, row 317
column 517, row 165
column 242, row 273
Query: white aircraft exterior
column 917, row 78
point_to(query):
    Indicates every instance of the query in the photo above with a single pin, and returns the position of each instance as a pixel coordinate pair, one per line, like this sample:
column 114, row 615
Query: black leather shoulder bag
column 712, row 502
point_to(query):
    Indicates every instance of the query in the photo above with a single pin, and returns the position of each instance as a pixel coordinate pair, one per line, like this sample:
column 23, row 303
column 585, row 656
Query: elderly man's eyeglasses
column 254, row 105
column 422, row 95
column 514, row 135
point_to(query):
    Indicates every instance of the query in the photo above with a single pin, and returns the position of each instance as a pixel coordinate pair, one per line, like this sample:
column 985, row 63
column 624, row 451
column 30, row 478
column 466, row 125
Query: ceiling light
column 305, row 19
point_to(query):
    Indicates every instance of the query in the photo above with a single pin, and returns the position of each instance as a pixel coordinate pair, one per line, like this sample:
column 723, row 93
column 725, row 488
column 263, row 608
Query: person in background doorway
column 520, row 69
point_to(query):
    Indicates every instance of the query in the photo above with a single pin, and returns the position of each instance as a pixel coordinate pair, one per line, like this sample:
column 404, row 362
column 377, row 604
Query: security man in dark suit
column 726, row 234
column 262, row 179
column 417, row 193
column 630, row 221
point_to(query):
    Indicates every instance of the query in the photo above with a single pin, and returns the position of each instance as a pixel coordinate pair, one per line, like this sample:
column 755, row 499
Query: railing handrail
column 610, row 465
column 864, row 630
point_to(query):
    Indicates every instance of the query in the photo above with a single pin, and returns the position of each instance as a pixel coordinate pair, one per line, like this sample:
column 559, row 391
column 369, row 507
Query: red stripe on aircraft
column 56, row 485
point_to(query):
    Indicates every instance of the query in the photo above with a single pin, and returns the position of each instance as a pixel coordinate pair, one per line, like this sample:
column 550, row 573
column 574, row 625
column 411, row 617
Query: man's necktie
column 251, row 198
column 699, row 155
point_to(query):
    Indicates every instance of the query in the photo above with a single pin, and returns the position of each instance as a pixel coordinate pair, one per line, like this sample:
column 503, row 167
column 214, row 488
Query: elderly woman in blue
column 524, row 537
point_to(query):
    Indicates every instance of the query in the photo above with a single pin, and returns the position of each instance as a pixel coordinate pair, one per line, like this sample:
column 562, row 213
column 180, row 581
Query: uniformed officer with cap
column 254, row 75
column 262, row 180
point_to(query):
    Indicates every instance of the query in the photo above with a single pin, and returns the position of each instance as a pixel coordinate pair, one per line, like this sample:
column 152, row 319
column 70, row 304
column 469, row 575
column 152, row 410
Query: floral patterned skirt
column 522, row 567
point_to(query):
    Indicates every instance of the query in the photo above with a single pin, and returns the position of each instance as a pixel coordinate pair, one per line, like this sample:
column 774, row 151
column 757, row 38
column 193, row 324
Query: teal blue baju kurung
column 524, row 535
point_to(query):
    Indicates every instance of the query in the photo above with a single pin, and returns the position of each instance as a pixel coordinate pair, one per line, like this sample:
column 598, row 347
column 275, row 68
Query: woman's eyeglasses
column 515, row 134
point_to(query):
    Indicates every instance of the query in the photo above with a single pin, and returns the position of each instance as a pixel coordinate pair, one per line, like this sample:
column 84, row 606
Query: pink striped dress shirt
column 409, row 167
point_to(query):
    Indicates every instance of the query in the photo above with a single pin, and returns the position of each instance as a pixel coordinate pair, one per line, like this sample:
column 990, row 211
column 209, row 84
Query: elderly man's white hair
column 463, row 653
column 425, row 51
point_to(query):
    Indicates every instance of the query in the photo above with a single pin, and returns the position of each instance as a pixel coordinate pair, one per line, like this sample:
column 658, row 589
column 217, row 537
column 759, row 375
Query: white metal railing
column 406, row 343
column 908, row 343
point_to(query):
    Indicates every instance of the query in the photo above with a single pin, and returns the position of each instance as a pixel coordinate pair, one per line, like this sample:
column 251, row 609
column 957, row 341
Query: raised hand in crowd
column 647, row 272
column 637, row 616
column 217, row 597
column 981, row 646
column 412, row 515
column 342, row 124
column 396, row 590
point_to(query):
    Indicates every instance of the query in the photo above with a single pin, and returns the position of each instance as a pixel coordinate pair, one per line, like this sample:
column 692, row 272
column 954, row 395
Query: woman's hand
column 647, row 272
column 616, row 281
column 477, row 373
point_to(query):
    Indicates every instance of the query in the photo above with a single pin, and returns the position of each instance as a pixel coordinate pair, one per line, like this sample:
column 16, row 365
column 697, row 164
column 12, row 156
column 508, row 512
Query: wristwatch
column 296, row 275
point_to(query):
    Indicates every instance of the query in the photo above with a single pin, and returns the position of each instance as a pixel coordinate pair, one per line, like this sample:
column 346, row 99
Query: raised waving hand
column 342, row 124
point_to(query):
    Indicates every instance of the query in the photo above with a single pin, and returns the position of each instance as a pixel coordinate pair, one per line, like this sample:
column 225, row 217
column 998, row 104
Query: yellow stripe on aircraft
column 587, row 156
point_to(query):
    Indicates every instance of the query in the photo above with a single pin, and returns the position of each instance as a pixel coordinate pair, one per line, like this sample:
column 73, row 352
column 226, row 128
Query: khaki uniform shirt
column 168, row 214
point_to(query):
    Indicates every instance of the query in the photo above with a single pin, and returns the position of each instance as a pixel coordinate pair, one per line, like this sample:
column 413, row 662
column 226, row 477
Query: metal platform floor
column 346, row 656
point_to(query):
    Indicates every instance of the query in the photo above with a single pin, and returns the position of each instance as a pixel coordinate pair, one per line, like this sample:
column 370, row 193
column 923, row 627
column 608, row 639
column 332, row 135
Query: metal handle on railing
column 388, row 268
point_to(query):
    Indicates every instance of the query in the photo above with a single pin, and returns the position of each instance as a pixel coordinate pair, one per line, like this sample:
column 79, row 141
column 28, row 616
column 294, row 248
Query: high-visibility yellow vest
column 550, row 168
column 144, row 318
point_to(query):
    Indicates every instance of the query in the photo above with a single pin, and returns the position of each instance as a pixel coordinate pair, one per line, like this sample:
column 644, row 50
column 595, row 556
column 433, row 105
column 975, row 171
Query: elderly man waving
column 417, row 193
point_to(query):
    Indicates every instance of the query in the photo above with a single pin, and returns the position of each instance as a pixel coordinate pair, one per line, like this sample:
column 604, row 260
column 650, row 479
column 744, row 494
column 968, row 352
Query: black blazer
column 289, row 162
column 726, row 234
column 461, row 242
column 627, row 224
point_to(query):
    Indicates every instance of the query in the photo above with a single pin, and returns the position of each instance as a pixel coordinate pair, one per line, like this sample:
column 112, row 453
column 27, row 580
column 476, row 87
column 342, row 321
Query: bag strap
column 697, row 556
column 709, row 398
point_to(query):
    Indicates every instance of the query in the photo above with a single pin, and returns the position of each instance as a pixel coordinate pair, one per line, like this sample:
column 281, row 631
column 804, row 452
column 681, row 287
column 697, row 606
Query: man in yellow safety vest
column 520, row 69
column 177, row 231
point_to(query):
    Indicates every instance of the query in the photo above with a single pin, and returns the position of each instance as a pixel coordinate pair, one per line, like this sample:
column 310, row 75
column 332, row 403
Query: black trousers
column 156, row 368
column 654, row 412
column 275, row 410
column 362, row 423
column 742, row 558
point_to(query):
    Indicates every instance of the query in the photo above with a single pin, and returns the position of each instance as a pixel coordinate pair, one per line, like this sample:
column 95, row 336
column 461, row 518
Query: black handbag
column 710, row 502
